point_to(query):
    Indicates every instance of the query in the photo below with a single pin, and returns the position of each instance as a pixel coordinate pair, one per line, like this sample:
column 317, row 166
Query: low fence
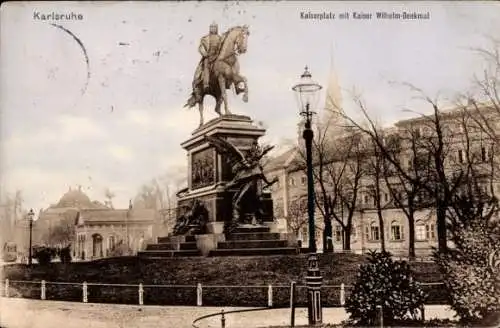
column 191, row 295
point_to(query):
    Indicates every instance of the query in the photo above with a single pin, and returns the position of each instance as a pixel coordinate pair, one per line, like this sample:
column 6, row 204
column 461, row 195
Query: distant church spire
column 333, row 111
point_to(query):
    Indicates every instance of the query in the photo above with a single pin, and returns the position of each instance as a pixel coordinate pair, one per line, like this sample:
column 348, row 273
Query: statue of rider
column 209, row 50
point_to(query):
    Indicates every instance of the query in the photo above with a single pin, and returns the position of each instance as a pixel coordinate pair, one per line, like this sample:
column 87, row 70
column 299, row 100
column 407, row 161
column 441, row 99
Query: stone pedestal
column 209, row 171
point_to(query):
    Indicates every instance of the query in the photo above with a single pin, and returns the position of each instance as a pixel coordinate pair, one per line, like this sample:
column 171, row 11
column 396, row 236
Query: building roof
column 118, row 216
column 74, row 198
column 281, row 161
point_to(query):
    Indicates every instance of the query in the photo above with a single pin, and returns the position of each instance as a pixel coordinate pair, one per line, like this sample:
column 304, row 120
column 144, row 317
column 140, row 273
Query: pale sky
column 127, row 126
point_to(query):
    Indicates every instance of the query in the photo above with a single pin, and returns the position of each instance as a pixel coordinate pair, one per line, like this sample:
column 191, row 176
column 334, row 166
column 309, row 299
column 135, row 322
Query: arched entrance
column 96, row 245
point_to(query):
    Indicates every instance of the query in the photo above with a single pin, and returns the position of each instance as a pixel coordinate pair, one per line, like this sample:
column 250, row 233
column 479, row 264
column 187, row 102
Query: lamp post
column 31, row 215
column 307, row 91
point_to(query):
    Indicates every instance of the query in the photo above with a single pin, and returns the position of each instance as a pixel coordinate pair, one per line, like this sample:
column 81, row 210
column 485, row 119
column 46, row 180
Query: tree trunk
column 441, row 228
column 411, row 236
column 347, row 238
column 327, row 236
column 382, row 229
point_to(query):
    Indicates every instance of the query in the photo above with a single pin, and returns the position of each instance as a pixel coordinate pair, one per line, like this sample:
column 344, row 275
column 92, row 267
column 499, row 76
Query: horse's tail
column 191, row 101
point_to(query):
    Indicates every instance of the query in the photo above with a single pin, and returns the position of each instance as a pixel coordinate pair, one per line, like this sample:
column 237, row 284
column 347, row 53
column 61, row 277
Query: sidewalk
column 25, row 313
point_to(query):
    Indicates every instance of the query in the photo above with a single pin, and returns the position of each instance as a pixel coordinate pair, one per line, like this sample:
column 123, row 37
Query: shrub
column 386, row 283
column 44, row 255
column 472, row 282
column 65, row 254
column 120, row 249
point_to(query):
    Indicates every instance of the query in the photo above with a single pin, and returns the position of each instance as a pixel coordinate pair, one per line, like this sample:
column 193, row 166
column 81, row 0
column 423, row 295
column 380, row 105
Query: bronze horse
column 224, row 72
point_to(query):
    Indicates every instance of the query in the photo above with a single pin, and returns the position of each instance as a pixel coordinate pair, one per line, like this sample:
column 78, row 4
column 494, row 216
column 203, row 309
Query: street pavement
column 26, row 313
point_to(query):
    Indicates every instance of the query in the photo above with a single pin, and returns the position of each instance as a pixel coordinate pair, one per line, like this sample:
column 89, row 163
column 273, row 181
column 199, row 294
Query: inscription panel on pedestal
column 202, row 168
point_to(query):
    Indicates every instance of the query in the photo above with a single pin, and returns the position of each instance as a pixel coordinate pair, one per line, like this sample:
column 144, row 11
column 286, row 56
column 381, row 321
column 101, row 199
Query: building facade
column 103, row 233
column 464, row 140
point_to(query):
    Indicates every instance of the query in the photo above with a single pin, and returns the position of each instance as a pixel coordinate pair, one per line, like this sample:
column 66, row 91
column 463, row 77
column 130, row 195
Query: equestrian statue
column 219, row 69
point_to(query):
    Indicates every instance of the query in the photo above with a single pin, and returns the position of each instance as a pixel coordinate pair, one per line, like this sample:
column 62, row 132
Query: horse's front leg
column 223, row 94
column 242, row 79
column 200, row 108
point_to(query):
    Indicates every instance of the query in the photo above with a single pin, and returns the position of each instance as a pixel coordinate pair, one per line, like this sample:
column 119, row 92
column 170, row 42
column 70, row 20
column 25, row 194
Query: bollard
column 85, row 292
column 141, row 294
column 222, row 319
column 313, row 282
column 342, row 294
column 6, row 287
column 422, row 312
column 199, row 295
column 42, row 290
column 270, row 296
column 292, row 304
column 381, row 315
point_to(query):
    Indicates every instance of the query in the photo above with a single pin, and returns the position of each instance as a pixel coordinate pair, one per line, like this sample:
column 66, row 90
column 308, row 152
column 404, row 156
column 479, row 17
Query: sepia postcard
column 244, row 164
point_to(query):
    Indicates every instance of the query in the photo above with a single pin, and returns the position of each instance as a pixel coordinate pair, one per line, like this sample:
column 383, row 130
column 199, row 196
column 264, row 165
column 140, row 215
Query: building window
column 353, row 233
column 420, row 231
column 303, row 180
column 374, row 231
column 111, row 242
column 304, row 234
column 291, row 182
column 418, row 133
column 430, row 233
column 460, row 156
column 386, row 197
column 367, row 199
column 484, row 155
column 396, row 231
column 338, row 234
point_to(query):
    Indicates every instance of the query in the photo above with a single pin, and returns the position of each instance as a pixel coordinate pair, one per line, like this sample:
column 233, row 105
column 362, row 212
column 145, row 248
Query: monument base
column 210, row 169
column 246, row 240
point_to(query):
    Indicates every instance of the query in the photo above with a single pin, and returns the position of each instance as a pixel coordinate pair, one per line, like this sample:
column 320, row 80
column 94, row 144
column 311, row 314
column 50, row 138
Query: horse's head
column 241, row 39
column 235, row 39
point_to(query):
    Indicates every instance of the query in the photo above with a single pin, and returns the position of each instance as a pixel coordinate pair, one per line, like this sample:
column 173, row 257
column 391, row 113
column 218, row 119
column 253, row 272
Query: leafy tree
column 65, row 254
column 44, row 255
column 384, row 283
column 471, row 269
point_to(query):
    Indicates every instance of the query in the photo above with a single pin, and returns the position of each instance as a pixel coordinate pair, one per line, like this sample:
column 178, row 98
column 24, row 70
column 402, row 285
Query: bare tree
column 405, row 195
column 338, row 169
column 375, row 185
column 443, row 177
column 482, row 102
column 297, row 217
column 109, row 195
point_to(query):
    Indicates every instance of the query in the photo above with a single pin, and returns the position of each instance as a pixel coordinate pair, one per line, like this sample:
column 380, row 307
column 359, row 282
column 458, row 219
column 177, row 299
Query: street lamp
column 307, row 92
column 31, row 215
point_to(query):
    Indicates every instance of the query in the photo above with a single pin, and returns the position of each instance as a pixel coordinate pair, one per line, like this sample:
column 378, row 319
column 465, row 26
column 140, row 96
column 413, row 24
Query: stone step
column 163, row 240
column 253, row 251
column 169, row 253
column 161, row 246
column 251, row 229
column 166, row 239
column 254, row 236
column 188, row 245
column 246, row 244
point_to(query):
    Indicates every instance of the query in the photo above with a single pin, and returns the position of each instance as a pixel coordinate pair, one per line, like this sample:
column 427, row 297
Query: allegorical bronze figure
column 248, row 180
column 193, row 221
column 218, row 68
